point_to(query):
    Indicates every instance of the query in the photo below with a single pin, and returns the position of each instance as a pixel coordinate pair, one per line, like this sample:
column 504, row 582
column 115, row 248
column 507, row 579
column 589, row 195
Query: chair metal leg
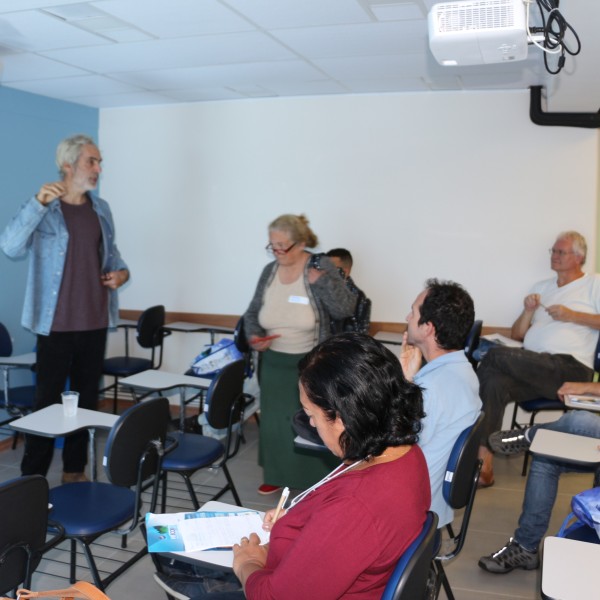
column 513, row 421
column 525, row 463
column 231, row 486
column 115, row 395
column 92, row 566
column 527, row 453
column 191, row 492
column 73, row 566
column 442, row 581
column 163, row 504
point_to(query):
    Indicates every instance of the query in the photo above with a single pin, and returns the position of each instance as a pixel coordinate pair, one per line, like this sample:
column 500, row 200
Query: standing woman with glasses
column 290, row 313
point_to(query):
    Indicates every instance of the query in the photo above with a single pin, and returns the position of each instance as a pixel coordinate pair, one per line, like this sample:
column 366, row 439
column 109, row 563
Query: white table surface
column 20, row 360
column 389, row 337
column 158, row 381
column 126, row 323
column 164, row 380
column 222, row 558
column 51, row 421
column 566, row 446
column 569, row 569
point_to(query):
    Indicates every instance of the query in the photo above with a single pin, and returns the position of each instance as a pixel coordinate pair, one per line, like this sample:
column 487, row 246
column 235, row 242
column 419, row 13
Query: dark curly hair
column 450, row 309
column 353, row 376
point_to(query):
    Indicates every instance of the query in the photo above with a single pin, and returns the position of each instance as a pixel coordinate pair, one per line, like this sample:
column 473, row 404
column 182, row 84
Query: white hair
column 69, row 150
column 578, row 242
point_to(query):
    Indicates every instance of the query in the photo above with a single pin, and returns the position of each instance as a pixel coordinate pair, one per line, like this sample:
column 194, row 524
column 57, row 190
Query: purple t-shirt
column 82, row 300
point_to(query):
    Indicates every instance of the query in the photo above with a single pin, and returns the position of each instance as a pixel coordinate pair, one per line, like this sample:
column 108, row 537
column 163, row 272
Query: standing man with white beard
column 74, row 271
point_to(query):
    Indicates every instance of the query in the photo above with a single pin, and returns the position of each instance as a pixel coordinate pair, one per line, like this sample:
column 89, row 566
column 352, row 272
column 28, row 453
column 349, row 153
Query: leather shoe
column 73, row 477
column 486, row 479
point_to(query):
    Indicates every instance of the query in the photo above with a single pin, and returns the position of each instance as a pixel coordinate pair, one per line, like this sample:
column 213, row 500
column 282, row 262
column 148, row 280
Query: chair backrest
column 239, row 337
column 460, row 480
column 149, row 327
column 597, row 357
column 241, row 343
column 6, row 347
column 23, row 524
column 409, row 578
column 473, row 341
column 225, row 400
column 131, row 436
column 462, row 465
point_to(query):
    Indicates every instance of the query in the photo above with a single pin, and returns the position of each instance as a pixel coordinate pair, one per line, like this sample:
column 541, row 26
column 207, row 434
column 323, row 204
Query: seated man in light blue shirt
column 438, row 324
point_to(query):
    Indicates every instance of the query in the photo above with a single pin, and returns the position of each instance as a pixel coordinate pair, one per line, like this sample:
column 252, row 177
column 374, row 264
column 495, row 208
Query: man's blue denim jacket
column 41, row 230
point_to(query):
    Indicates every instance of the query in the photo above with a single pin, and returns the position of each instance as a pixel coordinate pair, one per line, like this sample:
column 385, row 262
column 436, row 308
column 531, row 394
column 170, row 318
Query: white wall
column 453, row 185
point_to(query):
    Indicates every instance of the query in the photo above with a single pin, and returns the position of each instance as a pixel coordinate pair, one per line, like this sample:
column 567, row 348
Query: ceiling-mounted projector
column 478, row 32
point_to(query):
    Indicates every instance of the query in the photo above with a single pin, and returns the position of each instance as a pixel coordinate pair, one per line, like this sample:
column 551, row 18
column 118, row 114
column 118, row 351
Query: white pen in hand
column 281, row 504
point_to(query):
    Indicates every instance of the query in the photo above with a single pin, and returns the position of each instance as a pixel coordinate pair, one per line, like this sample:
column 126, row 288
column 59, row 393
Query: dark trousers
column 514, row 375
column 77, row 356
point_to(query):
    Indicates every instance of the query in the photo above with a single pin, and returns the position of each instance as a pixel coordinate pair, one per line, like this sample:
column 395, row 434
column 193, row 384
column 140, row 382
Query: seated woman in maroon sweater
column 342, row 537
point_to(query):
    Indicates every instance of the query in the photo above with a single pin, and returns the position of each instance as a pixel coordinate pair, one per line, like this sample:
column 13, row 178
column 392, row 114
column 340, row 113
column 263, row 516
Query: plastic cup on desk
column 70, row 400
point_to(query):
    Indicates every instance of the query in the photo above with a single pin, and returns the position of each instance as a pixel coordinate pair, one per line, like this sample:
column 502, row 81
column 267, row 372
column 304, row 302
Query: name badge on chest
column 298, row 300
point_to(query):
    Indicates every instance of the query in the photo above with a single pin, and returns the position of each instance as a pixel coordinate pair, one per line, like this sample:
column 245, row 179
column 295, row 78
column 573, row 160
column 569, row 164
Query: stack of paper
column 188, row 532
column 583, row 401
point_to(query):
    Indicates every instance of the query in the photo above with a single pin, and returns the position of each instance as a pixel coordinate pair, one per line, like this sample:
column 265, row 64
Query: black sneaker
column 512, row 556
column 509, row 442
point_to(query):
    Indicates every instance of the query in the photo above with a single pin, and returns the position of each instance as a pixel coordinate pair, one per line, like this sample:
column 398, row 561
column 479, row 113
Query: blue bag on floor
column 215, row 357
column 586, row 512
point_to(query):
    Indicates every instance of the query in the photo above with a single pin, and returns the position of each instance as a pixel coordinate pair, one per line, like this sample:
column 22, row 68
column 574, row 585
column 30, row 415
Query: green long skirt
column 284, row 464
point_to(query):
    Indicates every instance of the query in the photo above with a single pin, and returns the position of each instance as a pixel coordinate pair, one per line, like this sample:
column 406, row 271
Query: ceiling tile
column 21, row 67
column 397, row 11
column 278, row 14
column 68, row 87
column 177, row 18
column 174, row 53
column 382, row 86
column 356, row 40
column 119, row 100
column 15, row 5
column 307, row 88
column 224, row 75
column 37, row 31
column 369, row 67
column 204, row 94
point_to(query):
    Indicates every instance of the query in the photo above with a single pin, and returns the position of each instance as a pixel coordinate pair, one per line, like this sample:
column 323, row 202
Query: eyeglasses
column 560, row 253
column 276, row 250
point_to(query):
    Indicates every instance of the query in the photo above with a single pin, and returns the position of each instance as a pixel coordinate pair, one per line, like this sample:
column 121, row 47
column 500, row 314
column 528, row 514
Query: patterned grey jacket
column 329, row 297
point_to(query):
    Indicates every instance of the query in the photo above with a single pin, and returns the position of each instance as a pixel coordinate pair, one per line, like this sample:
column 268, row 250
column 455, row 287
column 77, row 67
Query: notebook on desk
column 582, row 401
column 566, row 446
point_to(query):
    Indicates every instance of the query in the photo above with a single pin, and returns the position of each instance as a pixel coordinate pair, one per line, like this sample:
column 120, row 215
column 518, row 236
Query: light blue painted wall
column 31, row 126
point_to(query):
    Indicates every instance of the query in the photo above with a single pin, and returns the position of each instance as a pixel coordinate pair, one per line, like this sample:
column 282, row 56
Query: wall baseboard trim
column 205, row 319
column 231, row 321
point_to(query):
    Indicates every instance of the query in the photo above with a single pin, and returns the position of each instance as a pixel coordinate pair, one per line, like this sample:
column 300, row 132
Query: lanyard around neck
column 335, row 473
